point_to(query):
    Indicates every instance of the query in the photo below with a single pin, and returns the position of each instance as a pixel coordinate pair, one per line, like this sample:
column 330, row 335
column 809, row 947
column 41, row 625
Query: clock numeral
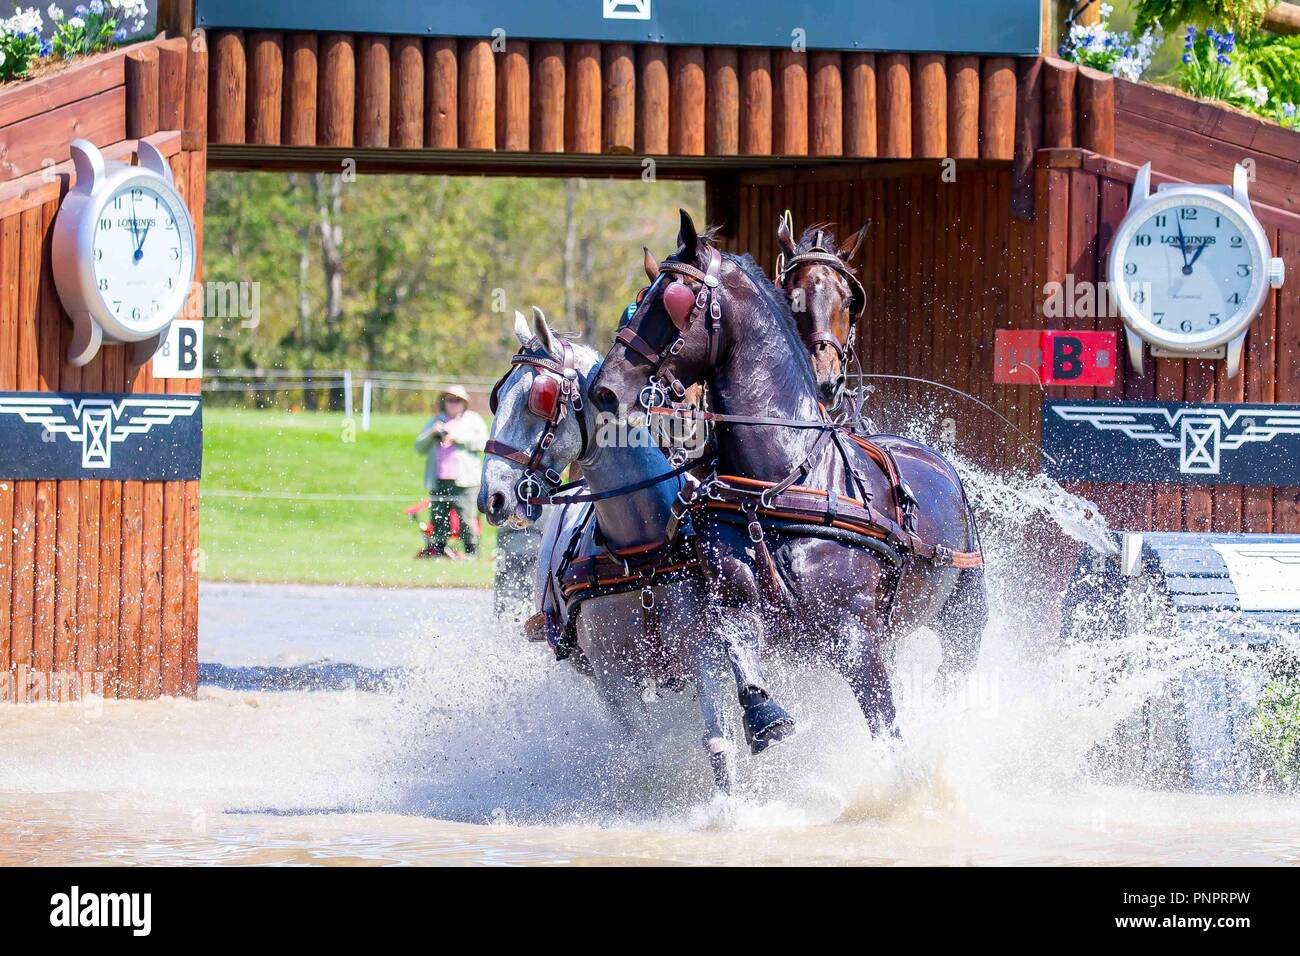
column 103, row 285
column 1188, row 212
column 1160, row 318
column 117, row 305
column 1235, row 242
column 1243, row 270
column 1185, row 325
column 175, row 253
column 1214, row 318
column 1162, row 221
column 1142, row 240
column 1139, row 295
column 1235, row 298
column 1130, row 268
column 106, row 224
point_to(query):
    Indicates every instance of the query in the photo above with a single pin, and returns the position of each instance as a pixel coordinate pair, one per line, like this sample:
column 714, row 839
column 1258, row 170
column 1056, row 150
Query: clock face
column 1190, row 271
column 143, row 254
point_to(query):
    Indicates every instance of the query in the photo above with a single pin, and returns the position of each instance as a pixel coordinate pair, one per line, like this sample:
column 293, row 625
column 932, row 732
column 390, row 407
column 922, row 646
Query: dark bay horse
column 731, row 328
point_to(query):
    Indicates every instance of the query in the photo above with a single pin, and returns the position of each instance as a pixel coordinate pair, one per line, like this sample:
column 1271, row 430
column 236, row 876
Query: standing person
column 452, row 440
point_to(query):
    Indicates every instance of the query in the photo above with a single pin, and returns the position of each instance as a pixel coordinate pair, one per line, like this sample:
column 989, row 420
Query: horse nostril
column 604, row 397
column 496, row 503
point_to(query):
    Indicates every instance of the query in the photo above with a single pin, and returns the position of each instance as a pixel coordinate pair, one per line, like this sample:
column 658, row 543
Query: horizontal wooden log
column 19, row 101
column 29, row 145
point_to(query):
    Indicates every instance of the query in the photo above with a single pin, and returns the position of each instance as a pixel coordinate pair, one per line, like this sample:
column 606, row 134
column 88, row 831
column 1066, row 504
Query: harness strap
column 501, row 450
column 628, row 337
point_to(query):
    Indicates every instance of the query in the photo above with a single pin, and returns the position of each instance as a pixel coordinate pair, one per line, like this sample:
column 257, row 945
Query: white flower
column 55, row 13
column 76, row 22
column 96, row 7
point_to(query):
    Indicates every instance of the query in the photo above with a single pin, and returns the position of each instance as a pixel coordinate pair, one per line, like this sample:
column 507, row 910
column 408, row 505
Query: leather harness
column 820, row 255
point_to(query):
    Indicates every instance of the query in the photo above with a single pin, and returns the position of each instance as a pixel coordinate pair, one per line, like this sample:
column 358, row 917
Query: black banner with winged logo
column 1181, row 443
column 97, row 435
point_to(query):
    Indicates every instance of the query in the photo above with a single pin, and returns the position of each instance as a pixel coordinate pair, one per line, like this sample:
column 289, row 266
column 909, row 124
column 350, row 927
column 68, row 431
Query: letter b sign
column 180, row 354
column 1067, row 358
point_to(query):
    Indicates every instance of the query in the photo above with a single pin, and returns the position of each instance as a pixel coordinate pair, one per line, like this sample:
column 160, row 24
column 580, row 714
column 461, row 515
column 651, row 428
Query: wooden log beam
column 374, row 90
column 196, row 93
column 1095, row 93
column 755, row 67
column 895, row 119
column 1059, row 78
column 929, row 106
column 441, row 80
column 265, row 87
column 513, row 84
column 227, row 91
column 859, row 104
column 173, row 61
column 998, row 108
column 298, row 122
column 547, row 110
column 337, row 90
column 142, row 92
column 790, row 103
column 618, row 112
column 406, row 114
column 653, row 93
column 478, row 95
column 722, row 133
column 826, row 136
column 686, row 114
column 964, row 107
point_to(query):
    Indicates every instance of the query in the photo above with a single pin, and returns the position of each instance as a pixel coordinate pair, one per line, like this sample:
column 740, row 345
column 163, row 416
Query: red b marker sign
column 1054, row 357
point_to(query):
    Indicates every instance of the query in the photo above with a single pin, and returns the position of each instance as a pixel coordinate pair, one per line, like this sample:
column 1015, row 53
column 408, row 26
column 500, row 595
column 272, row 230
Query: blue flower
column 120, row 35
column 1224, row 60
column 1187, row 58
column 1191, row 30
column 1288, row 110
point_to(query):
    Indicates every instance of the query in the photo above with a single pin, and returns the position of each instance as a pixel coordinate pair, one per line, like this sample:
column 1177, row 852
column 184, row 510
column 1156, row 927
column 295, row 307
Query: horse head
column 538, row 428
column 825, row 295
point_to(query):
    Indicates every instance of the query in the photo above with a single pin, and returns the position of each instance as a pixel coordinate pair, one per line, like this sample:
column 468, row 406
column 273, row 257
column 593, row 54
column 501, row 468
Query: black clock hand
column 1188, row 268
column 1182, row 246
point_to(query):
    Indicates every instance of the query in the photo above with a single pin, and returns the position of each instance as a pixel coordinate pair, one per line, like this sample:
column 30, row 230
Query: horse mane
column 808, row 241
column 775, row 300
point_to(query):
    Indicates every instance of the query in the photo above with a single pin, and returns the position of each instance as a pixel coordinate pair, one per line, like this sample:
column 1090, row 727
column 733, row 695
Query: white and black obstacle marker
column 1196, row 625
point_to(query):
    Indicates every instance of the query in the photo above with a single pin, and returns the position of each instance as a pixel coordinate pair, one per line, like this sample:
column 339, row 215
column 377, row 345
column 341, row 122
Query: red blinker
column 544, row 396
column 679, row 301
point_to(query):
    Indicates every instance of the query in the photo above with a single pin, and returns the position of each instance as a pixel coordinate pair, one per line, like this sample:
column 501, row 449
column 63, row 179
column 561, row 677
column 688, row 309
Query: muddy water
column 480, row 749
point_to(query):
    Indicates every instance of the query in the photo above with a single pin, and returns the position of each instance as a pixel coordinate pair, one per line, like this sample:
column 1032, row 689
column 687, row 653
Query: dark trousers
column 448, row 497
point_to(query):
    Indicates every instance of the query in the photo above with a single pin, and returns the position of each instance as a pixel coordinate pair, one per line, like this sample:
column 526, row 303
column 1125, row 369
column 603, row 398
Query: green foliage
column 424, row 273
column 267, row 535
column 1277, row 727
column 1239, row 15
column 1272, row 61
column 87, row 31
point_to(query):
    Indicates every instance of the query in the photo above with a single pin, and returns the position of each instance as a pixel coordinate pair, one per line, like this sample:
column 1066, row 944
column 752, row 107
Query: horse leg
column 709, row 666
column 960, row 625
column 765, row 721
column 857, row 656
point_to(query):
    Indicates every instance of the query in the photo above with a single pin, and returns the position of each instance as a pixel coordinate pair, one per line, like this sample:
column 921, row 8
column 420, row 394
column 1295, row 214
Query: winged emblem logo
column 97, row 424
column 1201, row 435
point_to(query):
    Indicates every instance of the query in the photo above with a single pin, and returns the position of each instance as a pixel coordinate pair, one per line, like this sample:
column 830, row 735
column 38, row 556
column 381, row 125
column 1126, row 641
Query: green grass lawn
column 258, row 538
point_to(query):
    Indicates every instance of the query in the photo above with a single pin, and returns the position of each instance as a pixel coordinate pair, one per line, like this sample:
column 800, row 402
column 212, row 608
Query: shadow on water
column 314, row 676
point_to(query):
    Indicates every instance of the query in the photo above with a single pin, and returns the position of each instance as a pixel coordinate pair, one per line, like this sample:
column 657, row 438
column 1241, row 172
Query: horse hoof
column 766, row 721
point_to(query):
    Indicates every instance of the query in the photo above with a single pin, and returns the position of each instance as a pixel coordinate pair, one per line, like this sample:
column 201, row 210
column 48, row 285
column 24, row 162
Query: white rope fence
column 345, row 380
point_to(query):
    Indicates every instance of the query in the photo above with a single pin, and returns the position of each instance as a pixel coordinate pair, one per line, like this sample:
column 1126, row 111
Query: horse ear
column 522, row 331
column 543, row 332
column 785, row 233
column 688, row 240
column 651, row 266
column 851, row 248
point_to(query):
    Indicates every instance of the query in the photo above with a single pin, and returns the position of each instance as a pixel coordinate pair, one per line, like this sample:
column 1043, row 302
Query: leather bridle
column 536, row 481
column 820, row 255
column 664, row 387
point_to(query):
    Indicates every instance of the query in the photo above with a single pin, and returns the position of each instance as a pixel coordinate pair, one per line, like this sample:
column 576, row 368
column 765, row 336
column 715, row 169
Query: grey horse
column 612, row 645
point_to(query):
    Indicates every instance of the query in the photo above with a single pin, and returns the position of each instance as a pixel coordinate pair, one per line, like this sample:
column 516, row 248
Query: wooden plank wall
column 98, row 579
column 341, row 90
column 945, row 264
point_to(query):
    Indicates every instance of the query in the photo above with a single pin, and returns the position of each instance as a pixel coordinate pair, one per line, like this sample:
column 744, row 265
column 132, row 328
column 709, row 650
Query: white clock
column 1190, row 268
column 123, row 251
